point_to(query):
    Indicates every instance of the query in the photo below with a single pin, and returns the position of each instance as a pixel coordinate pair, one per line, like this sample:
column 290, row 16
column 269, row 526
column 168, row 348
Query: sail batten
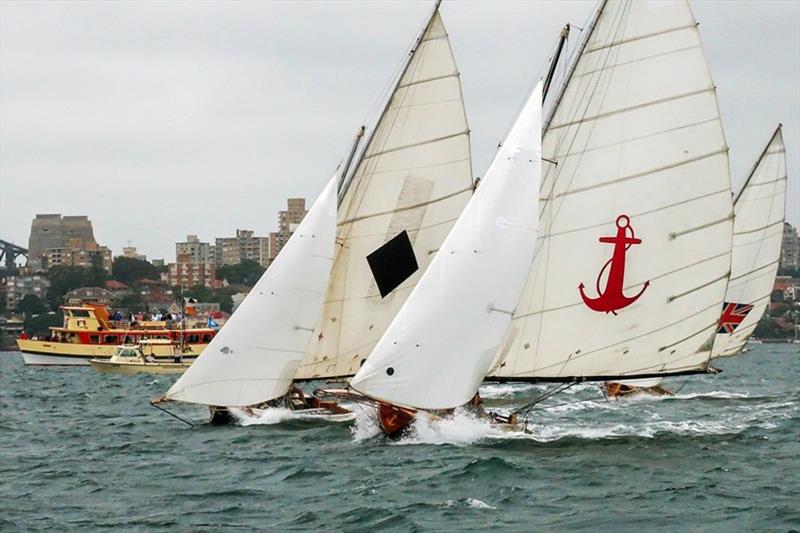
column 636, row 217
column 414, row 176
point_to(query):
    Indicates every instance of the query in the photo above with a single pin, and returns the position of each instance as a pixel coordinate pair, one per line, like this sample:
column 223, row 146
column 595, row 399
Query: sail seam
column 782, row 178
column 421, row 167
column 633, row 107
column 758, row 229
column 695, row 334
column 639, row 174
column 558, row 157
column 635, row 214
column 414, row 145
column 639, row 38
column 756, row 270
column 405, row 208
column 675, row 235
column 634, row 61
column 429, row 39
column 437, row 78
column 695, row 289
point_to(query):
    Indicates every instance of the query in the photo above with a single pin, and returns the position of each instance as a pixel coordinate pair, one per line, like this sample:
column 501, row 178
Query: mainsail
column 760, row 211
column 636, row 214
column 255, row 355
column 408, row 188
column 438, row 348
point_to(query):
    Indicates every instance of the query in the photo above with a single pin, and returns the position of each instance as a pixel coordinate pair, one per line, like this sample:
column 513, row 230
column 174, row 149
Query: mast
column 554, row 63
column 758, row 162
column 395, row 87
column 571, row 71
column 344, row 181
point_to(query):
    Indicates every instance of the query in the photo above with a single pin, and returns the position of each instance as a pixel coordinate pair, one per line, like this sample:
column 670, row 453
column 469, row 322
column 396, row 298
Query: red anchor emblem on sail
column 612, row 298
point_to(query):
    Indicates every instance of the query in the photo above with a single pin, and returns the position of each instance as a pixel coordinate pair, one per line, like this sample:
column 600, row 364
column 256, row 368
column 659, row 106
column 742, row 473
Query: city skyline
column 223, row 111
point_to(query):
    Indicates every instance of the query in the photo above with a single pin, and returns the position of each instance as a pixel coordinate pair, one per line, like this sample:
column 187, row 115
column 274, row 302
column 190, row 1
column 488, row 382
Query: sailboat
column 760, row 209
column 408, row 187
column 435, row 354
column 759, row 213
column 387, row 220
column 252, row 361
column 634, row 251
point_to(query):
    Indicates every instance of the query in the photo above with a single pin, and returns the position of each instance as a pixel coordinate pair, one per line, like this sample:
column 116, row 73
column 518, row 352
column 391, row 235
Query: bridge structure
column 9, row 252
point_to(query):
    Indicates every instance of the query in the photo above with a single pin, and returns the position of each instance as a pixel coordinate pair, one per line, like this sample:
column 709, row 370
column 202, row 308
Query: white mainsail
column 636, row 214
column 414, row 176
column 760, row 211
column 255, row 356
column 440, row 345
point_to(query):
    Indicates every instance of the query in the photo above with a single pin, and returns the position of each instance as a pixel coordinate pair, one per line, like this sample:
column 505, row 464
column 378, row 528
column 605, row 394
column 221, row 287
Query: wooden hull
column 620, row 389
column 107, row 367
column 47, row 353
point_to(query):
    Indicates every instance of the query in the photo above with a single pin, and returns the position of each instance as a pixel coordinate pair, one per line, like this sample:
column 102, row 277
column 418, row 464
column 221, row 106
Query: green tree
column 247, row 272
column 64, row 279
column 31, row 305
column 40, row 325
column 129, row 270
column 97, row 275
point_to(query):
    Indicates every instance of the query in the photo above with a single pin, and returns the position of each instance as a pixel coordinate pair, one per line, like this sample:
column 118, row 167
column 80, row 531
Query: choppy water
column 80, row 450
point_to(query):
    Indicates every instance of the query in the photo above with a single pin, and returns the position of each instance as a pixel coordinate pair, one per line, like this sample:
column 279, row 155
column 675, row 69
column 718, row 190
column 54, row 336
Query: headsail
column 437, row 350
column 636, row 222
column 255, row 355
column 409, row 187
column 760, row 211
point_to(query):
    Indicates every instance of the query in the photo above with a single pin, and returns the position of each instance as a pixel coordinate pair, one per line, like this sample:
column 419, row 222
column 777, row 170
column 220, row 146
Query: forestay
column 760, row 211
column 437, row 350
column 414, row 176
column 255, row 355
column 636, row 211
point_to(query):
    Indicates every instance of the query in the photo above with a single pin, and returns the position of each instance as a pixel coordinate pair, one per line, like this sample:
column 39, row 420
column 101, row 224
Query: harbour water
column 81, row 450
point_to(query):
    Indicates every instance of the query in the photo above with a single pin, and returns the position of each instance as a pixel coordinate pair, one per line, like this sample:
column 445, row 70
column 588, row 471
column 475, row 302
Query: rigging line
column 676, row 391
column 525, row 409
column 173, row 415
column 617, row 28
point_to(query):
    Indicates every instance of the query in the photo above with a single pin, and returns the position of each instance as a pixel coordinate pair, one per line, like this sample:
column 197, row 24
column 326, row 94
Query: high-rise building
column 185, row 272
column 790, row 249
column 68, row 240
column 198, row 252
column 288, row 221
column 18, row 287
column 233, row 250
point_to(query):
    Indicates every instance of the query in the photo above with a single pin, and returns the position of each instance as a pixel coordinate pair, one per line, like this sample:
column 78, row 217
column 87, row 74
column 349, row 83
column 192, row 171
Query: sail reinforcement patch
column 393, row 263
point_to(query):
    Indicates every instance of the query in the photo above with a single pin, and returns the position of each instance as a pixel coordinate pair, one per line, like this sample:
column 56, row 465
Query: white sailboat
column 410, row 184
column 253, row 360
column 437, row 350
column 760, row 209
column 636, row 212
column 759, row 213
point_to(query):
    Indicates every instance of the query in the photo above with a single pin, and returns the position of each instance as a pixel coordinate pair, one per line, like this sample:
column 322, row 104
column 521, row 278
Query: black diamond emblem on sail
column 393, row 263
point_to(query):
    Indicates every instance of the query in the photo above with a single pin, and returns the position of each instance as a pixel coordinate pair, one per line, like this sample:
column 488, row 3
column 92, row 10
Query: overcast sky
column 160, row 119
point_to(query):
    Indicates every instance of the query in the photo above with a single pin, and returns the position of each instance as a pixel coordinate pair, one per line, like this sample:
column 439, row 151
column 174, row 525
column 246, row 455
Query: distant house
column 787, row 287
column 118, row 288
column 83, row 295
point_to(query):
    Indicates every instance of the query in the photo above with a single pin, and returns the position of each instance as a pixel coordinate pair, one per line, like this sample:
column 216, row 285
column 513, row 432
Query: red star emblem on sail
column 732, row 316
